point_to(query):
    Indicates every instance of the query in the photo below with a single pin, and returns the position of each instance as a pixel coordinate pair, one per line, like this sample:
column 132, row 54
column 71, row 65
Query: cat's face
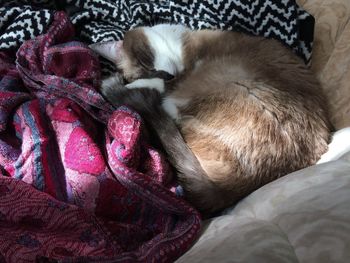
column 147, row 52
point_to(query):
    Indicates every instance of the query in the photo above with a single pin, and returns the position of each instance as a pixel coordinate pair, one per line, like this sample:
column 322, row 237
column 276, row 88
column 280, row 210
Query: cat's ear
column 109, row 50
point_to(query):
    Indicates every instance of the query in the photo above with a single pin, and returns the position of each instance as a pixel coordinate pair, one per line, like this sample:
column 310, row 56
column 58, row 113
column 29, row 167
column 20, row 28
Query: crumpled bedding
column 72, row 191
column 331, row 54
column 303, row 217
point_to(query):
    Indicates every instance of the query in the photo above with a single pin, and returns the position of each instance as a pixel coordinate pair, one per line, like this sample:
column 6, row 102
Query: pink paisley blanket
column 79, row 182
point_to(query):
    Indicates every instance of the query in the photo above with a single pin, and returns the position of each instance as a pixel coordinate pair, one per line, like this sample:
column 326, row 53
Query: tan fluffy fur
column 252, row 113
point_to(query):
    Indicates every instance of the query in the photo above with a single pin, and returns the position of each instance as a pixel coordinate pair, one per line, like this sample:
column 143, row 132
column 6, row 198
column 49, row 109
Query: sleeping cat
column 247, row 108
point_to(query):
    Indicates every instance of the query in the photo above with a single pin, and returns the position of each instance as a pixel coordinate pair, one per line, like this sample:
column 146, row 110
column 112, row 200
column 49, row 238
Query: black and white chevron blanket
column 104, row 20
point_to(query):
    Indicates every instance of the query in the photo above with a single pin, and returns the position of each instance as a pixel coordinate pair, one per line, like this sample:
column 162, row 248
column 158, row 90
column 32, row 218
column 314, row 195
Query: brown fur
column 137, row 56
column 255, row 112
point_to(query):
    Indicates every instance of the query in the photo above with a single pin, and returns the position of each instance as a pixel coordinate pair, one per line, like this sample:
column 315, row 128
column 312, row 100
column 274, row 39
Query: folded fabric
column 80, row 182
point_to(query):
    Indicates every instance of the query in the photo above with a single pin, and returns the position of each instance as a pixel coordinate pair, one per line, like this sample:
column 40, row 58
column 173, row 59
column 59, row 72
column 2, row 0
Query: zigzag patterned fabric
column 103, row 20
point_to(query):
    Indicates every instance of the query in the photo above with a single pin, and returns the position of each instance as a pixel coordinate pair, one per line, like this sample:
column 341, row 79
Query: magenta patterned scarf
column 72, row 190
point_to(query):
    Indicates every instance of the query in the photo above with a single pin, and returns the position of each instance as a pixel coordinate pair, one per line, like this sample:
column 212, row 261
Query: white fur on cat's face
column 166, row 41
column 160, row 48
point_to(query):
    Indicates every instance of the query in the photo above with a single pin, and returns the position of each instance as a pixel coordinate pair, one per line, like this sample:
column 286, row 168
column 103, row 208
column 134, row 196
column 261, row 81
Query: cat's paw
column 111, row 87
column 155, row 83
column 112, row 81
column 143, row 100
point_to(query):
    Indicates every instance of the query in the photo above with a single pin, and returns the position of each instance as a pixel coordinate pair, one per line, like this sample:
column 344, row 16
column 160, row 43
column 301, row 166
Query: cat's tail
column 198, row 189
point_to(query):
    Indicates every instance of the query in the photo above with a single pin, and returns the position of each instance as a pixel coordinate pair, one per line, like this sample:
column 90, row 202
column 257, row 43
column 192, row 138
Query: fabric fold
column 80, row 182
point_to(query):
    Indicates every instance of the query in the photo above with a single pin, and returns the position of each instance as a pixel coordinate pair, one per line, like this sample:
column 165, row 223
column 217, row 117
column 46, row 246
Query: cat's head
column 147, row 52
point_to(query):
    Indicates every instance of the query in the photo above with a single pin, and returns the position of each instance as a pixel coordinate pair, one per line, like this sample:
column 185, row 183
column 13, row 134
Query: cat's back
column 230, row 64
column 257, row 104
column 232, row 56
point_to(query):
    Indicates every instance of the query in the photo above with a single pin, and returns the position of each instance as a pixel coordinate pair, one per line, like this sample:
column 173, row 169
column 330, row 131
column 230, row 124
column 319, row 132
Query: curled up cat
column 232, row 111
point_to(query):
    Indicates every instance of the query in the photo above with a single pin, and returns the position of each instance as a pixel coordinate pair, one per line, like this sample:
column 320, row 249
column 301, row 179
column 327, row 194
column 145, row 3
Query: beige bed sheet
column 303, row 217
column 331, row 54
